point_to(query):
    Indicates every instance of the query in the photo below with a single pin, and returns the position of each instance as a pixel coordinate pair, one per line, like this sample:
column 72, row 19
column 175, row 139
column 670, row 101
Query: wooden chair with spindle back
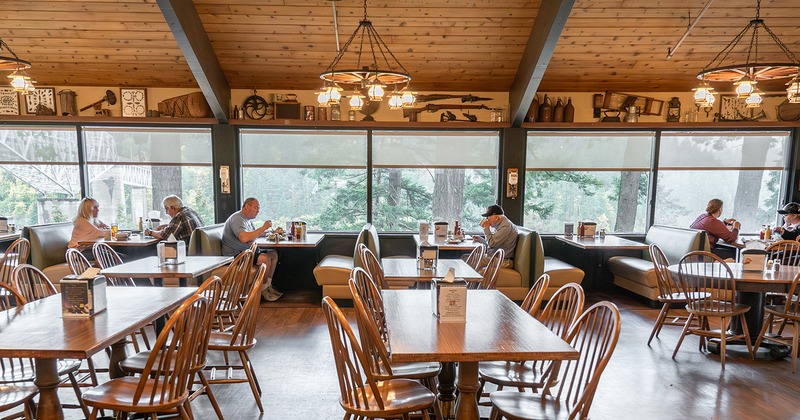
column 533, row 300
column 107, row 257
column 77, row 261
column 492, row 268
column 164, row 382
column 233, row 288
column 240, row 339
column 790, row 310
column 558, row 315
column 362, row 395
column 16, row 254
column 476, row 256
column 570, row 390
column 372, row 266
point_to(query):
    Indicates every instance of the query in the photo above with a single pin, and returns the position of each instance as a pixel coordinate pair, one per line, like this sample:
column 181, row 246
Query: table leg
column 47, row 381
column 468, row 385
column 447, row 389
column 118, row 354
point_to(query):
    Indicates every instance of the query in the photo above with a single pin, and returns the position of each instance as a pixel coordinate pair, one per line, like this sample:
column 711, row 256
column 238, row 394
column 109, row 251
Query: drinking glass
column 113, row 230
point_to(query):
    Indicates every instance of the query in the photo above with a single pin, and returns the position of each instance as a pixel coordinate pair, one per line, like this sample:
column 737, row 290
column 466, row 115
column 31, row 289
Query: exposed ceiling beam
column 547, row 27
column 183, row 20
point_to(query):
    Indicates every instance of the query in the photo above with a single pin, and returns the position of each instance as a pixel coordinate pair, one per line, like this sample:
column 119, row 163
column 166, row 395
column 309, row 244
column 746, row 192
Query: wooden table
column 496, row 329
column 133, row 240
column 466, row 245
column 9, row 236
column 311, row 240
column 598, row 250
column 406, row 269
column 195, row 265
column 38, row 330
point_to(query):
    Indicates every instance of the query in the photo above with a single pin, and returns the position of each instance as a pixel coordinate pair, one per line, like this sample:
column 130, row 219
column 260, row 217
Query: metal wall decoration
column 45, row 96
column 733, row 108
column 134, row 102
column 9, row 101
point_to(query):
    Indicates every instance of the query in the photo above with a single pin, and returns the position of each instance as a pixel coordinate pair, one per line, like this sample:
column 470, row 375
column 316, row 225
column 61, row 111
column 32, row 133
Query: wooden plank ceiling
column 446, row 45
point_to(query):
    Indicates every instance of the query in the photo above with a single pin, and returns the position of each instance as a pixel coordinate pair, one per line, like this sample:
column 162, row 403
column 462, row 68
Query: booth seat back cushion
column 675, row 242
column 206, row 240
column 369, row 237
column 48, row 243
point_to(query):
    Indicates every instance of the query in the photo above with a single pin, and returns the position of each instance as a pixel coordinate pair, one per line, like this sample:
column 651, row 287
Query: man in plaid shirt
column 184, row 221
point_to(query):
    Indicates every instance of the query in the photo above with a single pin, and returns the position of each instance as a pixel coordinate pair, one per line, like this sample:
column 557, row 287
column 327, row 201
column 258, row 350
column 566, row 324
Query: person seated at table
column 237, row 235
column 86, row 226
column 184, row 220
column 499, row 232
column 791, row 222
column 716, row 229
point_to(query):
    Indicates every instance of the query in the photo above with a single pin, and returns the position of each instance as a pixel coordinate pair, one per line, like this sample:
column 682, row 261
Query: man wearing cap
column 791, row 220
column 499, row 233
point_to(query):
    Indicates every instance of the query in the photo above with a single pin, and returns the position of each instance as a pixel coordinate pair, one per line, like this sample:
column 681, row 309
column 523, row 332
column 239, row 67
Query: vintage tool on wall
column 110, row 97
column 67, row 100
column 191, row 105
column 255, row 107
column 441, row 96
column 411, row 113
column 449, row 116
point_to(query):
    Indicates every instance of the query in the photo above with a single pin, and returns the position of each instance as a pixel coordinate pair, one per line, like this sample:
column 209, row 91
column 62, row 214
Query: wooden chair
column 533, row 300
column 363, row 277
column 30, row 284
column 164, row 382
column 233, row 288
column 668, row 293
column 16, row 254
column 490, row 272
column 375, row 340
column 372, row 266
column 107, row 257
column 77, row 262
column 362, row 395
column 240, row 339
column 790, row 310
column 571, row 387
column 476, row 256
column 211, row 290
column 702, row 272
column 787, row 252
column 558, row 315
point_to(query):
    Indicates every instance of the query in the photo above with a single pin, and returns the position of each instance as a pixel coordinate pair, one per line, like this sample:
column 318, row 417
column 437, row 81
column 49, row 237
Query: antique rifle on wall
column 411, row 113
column 441, row 96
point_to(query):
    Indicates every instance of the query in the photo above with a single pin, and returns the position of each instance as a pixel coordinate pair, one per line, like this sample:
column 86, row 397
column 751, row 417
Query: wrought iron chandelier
column 374, row 77
column 746, row 75
column 20, row 80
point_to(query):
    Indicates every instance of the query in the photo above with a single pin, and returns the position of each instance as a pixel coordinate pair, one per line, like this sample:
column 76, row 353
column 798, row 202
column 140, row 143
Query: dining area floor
column 295, row 368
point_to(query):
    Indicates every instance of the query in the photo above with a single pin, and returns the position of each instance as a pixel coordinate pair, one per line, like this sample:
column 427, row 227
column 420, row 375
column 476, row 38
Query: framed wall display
column 288, row 111
column 9, row 101
column 733, row 108
column 309, row 113
column 134, row 102
column 42, row 95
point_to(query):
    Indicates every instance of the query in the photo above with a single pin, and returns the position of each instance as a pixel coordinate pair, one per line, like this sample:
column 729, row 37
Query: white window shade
column 435, row 149
column 304, row 149
column 160, row 146
column 729, row 150
column 589, row 151
column 53, row 145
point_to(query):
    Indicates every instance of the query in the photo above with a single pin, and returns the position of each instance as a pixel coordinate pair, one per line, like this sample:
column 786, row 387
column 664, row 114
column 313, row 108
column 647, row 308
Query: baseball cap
column 791, row 208
column 495, row 209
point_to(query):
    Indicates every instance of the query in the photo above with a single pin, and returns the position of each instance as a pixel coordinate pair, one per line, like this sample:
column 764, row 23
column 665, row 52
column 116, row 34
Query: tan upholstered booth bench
column 638, row 274
column 49, row 249
column 333, row 272
column 207, row 240
column 529, row 264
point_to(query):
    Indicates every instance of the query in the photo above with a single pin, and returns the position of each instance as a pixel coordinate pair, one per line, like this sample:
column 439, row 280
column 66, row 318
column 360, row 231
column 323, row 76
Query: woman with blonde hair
column 87, row 227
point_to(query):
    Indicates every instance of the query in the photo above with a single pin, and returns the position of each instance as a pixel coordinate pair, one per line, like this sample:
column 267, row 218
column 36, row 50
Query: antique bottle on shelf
column 569, row 111
column 558, row 111
column 533, row 111
column 545, row 110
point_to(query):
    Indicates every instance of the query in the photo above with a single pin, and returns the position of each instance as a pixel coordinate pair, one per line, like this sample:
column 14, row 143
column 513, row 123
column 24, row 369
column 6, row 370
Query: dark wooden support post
column 513, row 144
column 193, row 41
column 546, row 30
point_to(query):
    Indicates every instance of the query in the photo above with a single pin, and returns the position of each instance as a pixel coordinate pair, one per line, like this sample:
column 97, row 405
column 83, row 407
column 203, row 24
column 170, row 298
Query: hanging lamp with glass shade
column 19, row 78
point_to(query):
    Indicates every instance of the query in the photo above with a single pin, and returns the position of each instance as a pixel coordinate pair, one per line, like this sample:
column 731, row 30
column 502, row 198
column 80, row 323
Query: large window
column 316, row 176
column 601, row 177
column 130, row 170
column 39, row 175
column 743, row 169
column 425, row 176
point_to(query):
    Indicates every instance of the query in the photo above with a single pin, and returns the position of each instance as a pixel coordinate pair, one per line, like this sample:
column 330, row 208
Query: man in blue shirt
column 239, row 233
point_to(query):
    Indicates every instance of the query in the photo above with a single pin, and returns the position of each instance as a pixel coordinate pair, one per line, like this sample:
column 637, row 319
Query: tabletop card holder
column 428, row 257
column 83, row 295
column 450, row 300
column 753, row 259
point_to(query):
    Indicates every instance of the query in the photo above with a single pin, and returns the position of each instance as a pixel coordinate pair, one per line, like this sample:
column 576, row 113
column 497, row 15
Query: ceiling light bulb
column 793, row 91
column 17, row 81
column 356, row 101
column 395, row 100
column 375, row 91
column 754, row 100
column 745, row 86
column 335, row 94
column 323, row 98
column 409, row 98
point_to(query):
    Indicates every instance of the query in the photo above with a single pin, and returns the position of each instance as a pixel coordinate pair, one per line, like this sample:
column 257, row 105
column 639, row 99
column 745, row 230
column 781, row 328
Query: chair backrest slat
column 16, row 254
column 787, row 252
column 666, row 284
column 245, row 326
column 234, row 280
column 76, row 261
column 211, row 290
column 476, row 256
column 31, row 283
column 701, row 273
column 372, row 266
column 533, row 300
column 492, row 268
column 371, row 325
column 107, row 257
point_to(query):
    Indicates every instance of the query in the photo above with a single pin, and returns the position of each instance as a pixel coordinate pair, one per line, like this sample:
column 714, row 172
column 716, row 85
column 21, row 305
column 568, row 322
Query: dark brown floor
column 295, row 367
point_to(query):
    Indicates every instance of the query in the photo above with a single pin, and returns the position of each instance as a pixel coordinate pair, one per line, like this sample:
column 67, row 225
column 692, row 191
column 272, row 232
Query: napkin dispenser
column 587, row 228
column 171, row 253
column 3, row 224
column 83, row 296
column 428, row 257
column 753, row 259
column 449, row 299
column 440, row 229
